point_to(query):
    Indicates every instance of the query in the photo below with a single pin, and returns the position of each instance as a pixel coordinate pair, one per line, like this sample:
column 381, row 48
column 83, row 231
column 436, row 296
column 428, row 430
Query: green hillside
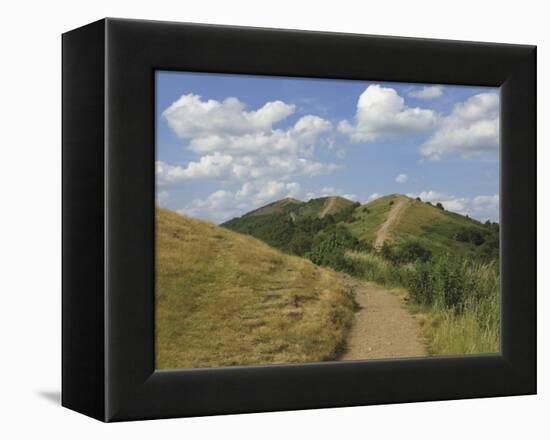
column 291, row 225
column 295, row 227
column 224, row 298
column 435, row 229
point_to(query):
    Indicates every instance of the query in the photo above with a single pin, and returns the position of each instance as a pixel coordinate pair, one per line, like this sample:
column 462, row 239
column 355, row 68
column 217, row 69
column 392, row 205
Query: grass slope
column 432, row 228
column 223, row 298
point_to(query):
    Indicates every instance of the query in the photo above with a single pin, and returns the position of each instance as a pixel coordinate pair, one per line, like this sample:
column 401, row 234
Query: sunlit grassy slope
column 433, row 228
column 223, row 298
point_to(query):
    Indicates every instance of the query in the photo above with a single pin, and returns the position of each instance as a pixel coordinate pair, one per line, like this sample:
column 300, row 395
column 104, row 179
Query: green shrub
column 405, row 252
column 452, row 283
column 373, row 267
column 421, row 284
column 300, row 243
column 470, row 235
column 329, row 248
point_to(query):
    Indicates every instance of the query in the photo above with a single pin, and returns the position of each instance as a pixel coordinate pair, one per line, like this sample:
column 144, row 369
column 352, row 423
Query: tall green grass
column 456, row 299
column 373, row 267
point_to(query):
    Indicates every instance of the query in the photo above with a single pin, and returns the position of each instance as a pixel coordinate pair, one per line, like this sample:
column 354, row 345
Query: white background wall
column 30, row 250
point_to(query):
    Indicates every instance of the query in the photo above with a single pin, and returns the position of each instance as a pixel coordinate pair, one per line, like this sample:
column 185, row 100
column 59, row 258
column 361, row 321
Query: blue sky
column 227, row 144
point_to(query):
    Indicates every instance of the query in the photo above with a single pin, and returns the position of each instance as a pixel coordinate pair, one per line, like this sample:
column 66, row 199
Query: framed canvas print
column 261, row 220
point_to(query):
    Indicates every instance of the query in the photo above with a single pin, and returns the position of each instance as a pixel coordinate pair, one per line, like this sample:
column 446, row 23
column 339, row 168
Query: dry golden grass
column 223, row 298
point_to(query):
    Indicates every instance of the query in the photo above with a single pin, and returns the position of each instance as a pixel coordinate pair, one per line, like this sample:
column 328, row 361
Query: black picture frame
column 108, row 219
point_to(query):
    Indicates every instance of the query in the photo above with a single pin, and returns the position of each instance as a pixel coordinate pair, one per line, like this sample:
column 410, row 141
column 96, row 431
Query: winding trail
column 383, row 327
column 393, row 216
column 328, row 207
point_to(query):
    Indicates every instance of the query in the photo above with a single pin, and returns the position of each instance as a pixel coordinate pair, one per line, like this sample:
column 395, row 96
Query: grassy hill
column 290, row 225
column 293, row 226
column 433, row 228
column 224, row 298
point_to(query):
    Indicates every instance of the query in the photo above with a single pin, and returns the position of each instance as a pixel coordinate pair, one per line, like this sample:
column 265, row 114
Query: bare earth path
column 383, row 327
column 394, row 214
column 328, row 207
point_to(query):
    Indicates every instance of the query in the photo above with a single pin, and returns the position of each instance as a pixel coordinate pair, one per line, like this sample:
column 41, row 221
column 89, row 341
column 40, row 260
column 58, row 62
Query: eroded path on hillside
column 328, row 207
column 383, row 327
column 393, row 216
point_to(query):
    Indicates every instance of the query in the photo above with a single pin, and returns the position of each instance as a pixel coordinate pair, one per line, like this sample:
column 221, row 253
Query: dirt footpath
column 393, row 216
column 383, row 327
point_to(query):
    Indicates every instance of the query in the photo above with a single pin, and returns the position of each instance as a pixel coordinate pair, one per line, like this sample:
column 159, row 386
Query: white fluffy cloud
column 218, row 206
column 226, row 167
column 472, row 128
column 402, row 178
column 192, row 117
column 382, row 112
column 262, row 192
column 481, row 207
column 226, row 127
column 299, row 139
column 427, row 92
column 238, row 144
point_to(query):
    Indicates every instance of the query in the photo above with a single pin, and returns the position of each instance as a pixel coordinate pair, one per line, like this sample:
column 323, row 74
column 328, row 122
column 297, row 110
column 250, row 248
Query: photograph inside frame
column 308, row 220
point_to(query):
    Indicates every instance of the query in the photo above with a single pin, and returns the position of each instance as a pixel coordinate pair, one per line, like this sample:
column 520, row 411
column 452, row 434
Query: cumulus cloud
column 402, row 178
column 209, row 166
column 481, row 207
column 262, row 192
column 374, row 196
column 299, row 139
column 218, row 206
column 471, row 129
column 381, row 112
column 427, row 92
column 226, row 127
column 226, row 167
column 192, row 117
column 238, row 144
